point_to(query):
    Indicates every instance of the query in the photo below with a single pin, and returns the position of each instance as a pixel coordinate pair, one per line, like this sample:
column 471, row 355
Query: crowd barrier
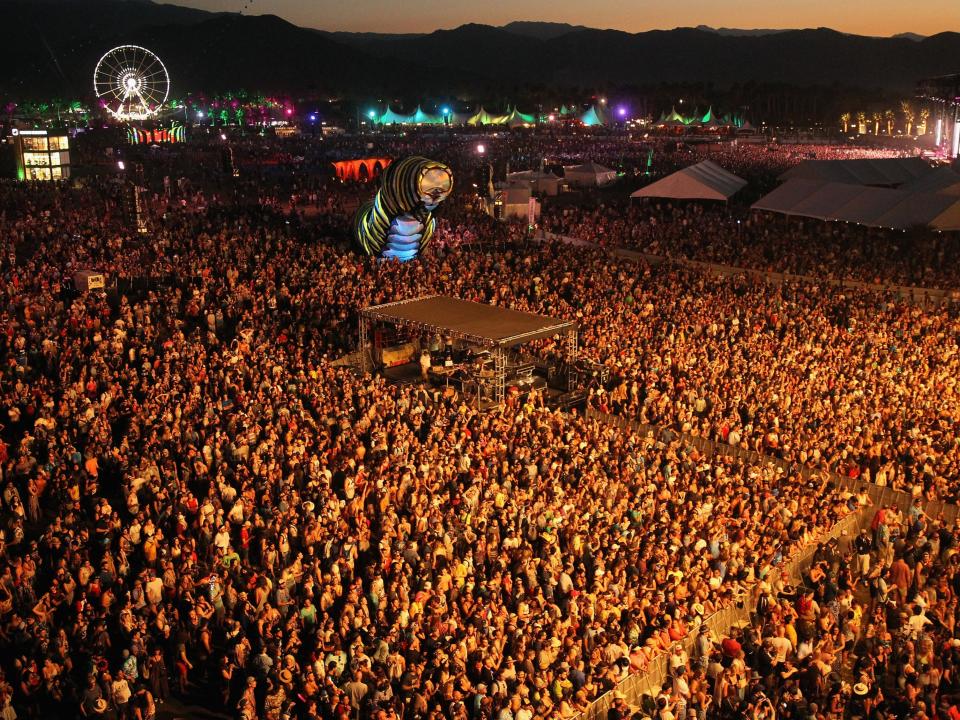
column 917, row 295
column 649, row 683
column 844, row 531
column 879, row 495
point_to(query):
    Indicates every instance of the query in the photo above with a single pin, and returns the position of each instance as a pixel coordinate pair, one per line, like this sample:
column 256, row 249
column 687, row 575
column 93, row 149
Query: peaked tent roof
column 942, row 180
column 676, row 118
column 590, row 173
column 881, row 172
column 532, row 175
column 422, row 118
column 515, row 118
column 390, row 117
column 704, row 181
column 864, row 205
column 589, row 166
column 594, row 116
column 481, row 117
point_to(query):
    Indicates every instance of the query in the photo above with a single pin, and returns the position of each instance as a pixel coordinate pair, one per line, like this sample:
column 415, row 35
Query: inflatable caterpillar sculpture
column 398, row 222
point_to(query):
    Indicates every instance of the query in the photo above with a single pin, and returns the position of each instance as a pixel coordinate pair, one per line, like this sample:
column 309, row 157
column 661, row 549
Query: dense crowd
column 870, row 632
column 198, row 503
column 732, row 236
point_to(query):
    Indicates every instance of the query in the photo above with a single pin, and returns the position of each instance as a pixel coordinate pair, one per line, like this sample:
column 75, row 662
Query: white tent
column 704, row 181
column 514, row 200
column 941, row 180
column 871, row 206
column 538, row 182
column 880, row 172
column 590, row 174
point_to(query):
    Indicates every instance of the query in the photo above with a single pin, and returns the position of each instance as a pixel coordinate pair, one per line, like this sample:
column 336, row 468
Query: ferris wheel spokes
column 132, row 82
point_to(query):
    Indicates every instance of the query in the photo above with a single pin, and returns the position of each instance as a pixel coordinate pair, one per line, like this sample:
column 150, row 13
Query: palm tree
column 922, row 125
column 862, row 123
column 845, row 121
column 877, row 117
column 908, row 115
column 889, row 117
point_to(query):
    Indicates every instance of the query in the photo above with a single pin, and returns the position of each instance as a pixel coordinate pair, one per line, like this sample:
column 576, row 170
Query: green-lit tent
column 515, row 118
column 422, row 118
column 594, row 116
column 481, row 117
column 675, row 118
column 392, row 118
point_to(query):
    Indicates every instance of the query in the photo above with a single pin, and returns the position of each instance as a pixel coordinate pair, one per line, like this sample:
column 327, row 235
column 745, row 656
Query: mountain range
column 50, row 47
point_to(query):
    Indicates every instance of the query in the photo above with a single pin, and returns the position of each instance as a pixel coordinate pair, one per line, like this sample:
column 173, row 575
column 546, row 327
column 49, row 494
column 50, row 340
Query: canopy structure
column 877, row 172
column 390, row 118
column 942, row 180
column 594, row 116
column 870, row 206
column 488, row 326
column 674, row 118
column 709, row 118
column 481, row 117
column 589, row 174
column 361, row 169
column 422, row 118
column 515, row 118
column 704, row 181
column 417, row 118
column 544, row 183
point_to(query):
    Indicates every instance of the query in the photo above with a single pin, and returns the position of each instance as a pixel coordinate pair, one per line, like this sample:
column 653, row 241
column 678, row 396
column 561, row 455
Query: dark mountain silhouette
column 49, row 48
column 596, row 58
column 739, row 32
column 541, row 30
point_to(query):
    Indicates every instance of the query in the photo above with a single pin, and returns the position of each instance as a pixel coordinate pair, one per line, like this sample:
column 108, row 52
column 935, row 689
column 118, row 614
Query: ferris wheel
column 131, row 82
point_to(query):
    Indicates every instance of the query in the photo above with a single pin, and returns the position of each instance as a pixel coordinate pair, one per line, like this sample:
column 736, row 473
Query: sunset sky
column 874, row 17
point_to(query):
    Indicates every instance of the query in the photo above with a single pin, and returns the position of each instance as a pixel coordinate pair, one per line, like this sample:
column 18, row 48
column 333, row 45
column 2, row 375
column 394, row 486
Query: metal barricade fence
column 844, row 531
column 650, row 682
column 879, row 495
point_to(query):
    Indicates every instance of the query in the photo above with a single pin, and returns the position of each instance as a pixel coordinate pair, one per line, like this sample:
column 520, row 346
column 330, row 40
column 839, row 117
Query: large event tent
column 544, row 183
column 878, row 172
column 941, row 180
column 594, row 116
column 481, row 117
column 515, row 118
column 704, row 181
column 589, row 174
column 864, row 205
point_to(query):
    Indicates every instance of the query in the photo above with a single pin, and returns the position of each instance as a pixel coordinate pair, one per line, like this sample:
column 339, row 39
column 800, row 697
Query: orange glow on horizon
column 878, row 18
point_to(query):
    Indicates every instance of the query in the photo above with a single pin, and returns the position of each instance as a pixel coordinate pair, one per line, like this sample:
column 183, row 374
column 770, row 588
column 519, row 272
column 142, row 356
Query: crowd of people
column 870, row 632
column 199, row 505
